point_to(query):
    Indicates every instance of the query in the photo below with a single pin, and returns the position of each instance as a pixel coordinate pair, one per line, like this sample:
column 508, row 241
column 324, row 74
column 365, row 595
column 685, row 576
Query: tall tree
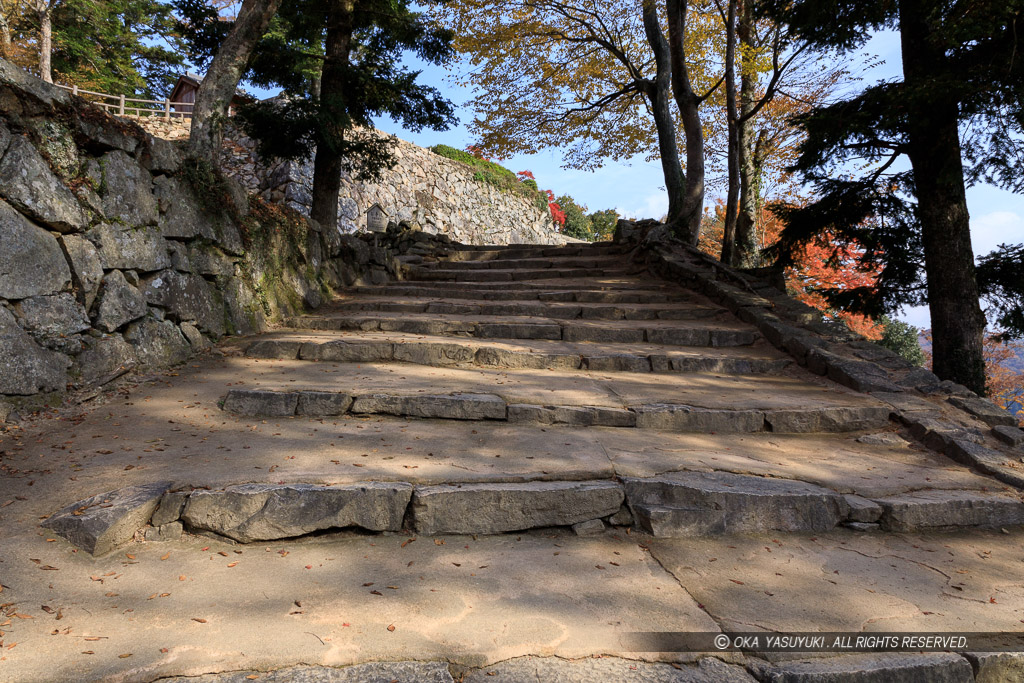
column 746, row 49
column 688, row 102
column 960, row 66
column 115, row 46
column 226, row 69
column 592, row 79
column 340, row 62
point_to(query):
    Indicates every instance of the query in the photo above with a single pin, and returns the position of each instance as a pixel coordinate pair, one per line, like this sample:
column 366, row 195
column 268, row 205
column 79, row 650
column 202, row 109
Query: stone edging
column 955, row 425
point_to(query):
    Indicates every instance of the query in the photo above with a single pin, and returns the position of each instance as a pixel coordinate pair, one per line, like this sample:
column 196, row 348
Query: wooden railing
column 127, row 106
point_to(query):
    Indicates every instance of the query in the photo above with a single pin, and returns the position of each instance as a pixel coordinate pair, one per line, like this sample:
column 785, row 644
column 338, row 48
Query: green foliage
column 483, row 171
column 373, row 82
column 209, row 186
column 852, row 147
column 119, row 47
column 577, row 223
column 902, row 338
column 603, row 223
column 1001, row 280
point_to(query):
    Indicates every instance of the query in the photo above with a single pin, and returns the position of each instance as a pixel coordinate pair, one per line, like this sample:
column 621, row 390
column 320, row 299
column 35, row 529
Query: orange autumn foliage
column 820, row 265
column 1005, row 384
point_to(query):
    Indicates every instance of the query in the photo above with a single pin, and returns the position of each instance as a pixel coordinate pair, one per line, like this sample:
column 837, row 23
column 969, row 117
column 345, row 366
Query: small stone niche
column 376, row 218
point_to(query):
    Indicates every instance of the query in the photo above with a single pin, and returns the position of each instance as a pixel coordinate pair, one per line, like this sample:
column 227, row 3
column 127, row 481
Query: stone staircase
column 493, row 469
column 519, row 339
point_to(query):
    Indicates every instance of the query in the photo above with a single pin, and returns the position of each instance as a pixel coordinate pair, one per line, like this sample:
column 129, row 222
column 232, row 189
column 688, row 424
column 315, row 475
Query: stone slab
column 107, row 521
column 371, row 672
column 921, row 510
column 828, row 419
column 497, row 508
column 262, row 512
column 261, row 403
column 938, row 667
column 719, row 503
column 452, row 406
column 684, row 418
column 593, row 670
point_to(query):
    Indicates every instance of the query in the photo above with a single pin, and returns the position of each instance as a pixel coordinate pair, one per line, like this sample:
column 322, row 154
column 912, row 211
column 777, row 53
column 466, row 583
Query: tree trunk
column 328, row 163
column 958, row 323
column 688, row 226
column 659, row 94
column 5, row 33
column 45, row 42
column 749, row 166
column 218, row 87
column 732, row 116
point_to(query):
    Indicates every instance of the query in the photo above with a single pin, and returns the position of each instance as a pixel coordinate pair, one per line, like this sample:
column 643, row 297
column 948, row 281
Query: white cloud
column 652, row 206
column 918, row 316
column 990, row 230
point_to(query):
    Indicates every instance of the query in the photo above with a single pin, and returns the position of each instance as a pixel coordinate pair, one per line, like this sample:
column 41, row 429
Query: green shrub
column 603, row 223
column 577, row 224
column 484, row 171
column 902, row 338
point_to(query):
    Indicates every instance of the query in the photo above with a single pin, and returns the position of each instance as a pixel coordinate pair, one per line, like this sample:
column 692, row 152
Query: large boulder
column 186, row 297
column 104, row 522
column 104, row 359
column 141, row 249
column 160, row 156
column 31, row 262
column 120, row 303
column 27, row 182
column 126, row 189
column 25, row 367
column 157, row 343
column 48, row 95
column 53, row 319
column 86, row 268
column 180, row 215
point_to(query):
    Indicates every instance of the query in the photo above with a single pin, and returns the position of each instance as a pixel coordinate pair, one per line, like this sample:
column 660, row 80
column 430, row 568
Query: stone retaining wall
column 427, row 191
column 111, row 259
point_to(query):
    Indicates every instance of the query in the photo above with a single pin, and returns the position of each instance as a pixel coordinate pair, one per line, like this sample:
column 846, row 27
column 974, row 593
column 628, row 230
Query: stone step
column 537, row 309
column 571, row 262
column 677, row 402
column 695, row 333
column 675, row 505
column 483, row 406
column 422, row 274
column 539, row 354
column 514, row 251
column 613, row 283
column 519, row 292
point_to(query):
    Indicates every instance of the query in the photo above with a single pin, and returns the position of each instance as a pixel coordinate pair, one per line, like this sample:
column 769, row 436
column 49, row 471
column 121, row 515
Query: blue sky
column 635, row 188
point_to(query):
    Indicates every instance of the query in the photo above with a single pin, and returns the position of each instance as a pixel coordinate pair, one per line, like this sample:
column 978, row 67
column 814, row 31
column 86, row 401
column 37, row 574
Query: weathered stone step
column 695, row 333
column 679, row 504
column 526, row 263
column 540, row 354
column 519, row 292
column 721, row 503
column 678, row 402
column 536, row 309
column 515, row 251
column 421, row 274
column 482, row 406
column 612, row 283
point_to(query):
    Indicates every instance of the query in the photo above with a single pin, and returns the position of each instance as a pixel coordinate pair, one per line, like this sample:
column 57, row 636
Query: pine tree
column 339, row 62
column 960, row 67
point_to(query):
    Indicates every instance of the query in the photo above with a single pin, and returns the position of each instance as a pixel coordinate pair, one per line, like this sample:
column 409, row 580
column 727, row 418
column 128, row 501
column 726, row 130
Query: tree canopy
column 960, row 71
